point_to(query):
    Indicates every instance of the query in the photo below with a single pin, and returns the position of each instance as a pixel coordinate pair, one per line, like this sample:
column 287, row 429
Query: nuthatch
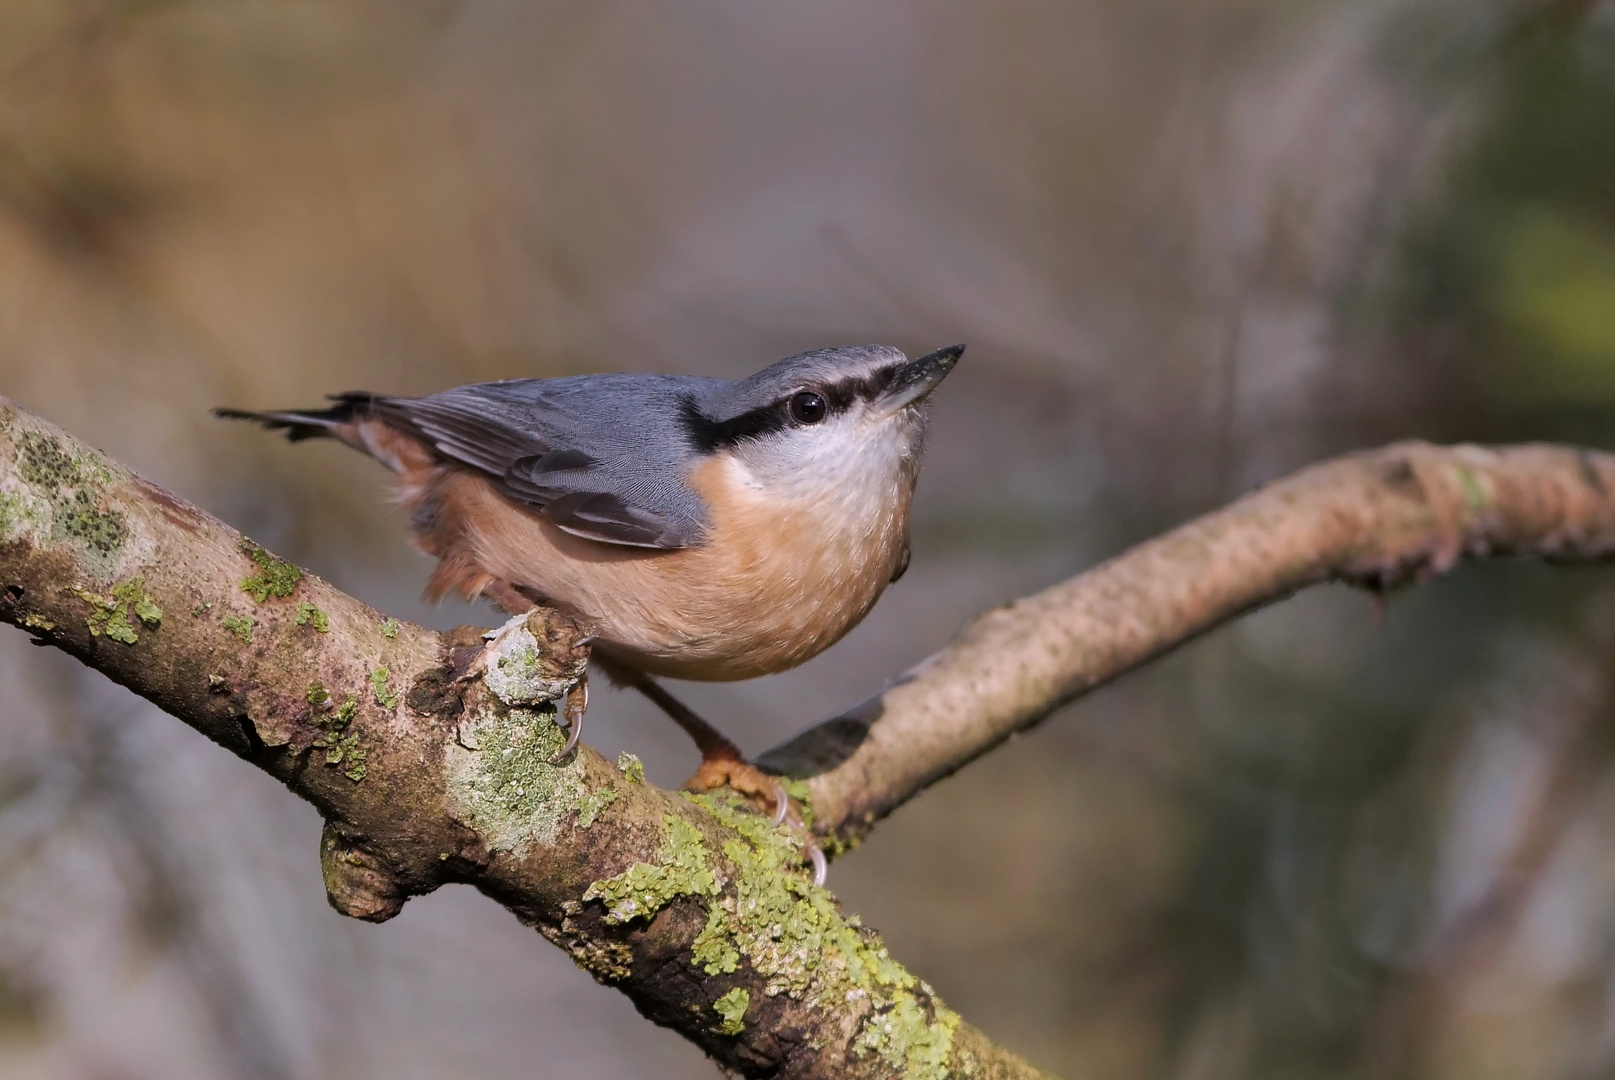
column 710, row 529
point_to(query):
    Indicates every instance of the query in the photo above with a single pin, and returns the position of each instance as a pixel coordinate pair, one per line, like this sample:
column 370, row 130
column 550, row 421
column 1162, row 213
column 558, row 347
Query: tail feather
column 300, row 424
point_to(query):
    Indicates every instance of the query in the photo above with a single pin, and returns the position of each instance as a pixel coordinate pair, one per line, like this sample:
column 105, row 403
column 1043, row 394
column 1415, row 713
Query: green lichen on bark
column 309, row 615
column 341, row 745
column 81, row 520
column 64, row 501
column 119, row 615
column 835, row 845
column 631, row 767
column 275, row 577
column 802, row 795
column 789, row 931
column 714, row 949
column 594, row 804
column 731, row 1009
column 14, row 516
column 905, row 1037
column 42, row 462
column 503, row 777
column 239, row 625
column 387, row 699
column 768, row 913
column 389, row 628
column 644, row 889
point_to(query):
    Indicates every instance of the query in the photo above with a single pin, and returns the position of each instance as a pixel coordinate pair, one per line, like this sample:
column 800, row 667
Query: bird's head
column 849, row 415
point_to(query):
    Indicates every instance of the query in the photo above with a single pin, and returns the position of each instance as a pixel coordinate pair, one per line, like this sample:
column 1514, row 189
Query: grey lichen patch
column 239, row 625
column 309, row 615
column 64, row 501
column 117, row 616
column 503, row 778
column 82, row 521
column 43, row 462
column 275, row 577
column 521, row 669
column 24, row 515
column 19, row 515
column 389, row 629
column 790, row 932
column 341, row 745
column 631, row 767
column 594, row 804
column 387, row 699
column 681, row 869
column 731, row 1009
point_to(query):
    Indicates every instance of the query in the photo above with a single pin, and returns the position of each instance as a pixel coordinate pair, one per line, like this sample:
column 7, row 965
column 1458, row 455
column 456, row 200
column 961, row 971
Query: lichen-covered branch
column 431, row 758
column 1376, row 519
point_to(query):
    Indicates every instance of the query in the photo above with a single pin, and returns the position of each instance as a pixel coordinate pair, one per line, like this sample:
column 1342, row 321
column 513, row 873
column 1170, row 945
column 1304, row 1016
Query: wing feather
column 623, row 489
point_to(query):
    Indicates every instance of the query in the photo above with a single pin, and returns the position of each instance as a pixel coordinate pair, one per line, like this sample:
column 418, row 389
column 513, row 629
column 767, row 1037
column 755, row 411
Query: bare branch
column 1376, row 519
column 431, row 759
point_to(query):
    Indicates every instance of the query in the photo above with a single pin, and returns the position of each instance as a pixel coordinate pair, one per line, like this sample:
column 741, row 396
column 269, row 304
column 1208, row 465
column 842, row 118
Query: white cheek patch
column 848, row 461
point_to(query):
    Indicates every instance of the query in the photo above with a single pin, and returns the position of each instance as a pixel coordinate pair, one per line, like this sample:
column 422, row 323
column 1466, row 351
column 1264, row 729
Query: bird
column 706, row 529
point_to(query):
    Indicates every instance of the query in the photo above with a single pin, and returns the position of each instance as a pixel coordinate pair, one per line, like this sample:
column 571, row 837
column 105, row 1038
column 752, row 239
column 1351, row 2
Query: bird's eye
column 807, row 408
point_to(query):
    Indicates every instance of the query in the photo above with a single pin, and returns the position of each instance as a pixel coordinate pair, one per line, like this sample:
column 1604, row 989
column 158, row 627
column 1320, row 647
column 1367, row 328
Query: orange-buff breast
column 776, row 583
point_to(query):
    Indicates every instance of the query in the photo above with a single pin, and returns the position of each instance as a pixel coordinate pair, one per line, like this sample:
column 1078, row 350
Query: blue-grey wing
column 603, row 457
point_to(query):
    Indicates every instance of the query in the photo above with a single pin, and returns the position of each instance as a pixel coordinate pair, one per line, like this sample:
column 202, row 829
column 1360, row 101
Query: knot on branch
column 535, row 658
column 358, row 883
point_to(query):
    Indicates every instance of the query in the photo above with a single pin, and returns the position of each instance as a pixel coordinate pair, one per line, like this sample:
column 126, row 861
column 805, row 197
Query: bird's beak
column 917, row 378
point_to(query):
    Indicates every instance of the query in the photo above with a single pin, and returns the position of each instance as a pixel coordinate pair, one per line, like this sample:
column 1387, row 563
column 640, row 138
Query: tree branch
column 431, row 760
column 430, row 756
column 1376, row 519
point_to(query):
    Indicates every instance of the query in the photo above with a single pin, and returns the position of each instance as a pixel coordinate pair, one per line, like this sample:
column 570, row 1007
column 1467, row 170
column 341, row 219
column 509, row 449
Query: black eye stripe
column 709, row 435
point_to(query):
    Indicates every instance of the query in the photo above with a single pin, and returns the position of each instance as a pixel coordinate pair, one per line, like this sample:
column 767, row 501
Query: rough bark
column 1377, row 519
column 430, row 758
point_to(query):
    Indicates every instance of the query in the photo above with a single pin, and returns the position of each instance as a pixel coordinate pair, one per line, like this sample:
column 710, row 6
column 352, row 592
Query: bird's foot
column 767, row 794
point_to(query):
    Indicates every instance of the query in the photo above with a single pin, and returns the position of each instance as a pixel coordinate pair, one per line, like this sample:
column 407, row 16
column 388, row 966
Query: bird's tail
column 335, row 422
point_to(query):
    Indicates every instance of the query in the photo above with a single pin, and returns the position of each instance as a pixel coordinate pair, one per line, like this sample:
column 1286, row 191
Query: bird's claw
column 757, row 786
column 577, row 702
column 821, row 865
column 782, row 803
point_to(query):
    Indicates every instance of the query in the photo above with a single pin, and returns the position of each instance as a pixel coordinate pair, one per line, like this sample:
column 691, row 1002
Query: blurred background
column 1192, row 244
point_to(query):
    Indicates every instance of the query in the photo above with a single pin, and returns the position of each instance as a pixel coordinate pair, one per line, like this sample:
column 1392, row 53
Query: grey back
column 606, row 456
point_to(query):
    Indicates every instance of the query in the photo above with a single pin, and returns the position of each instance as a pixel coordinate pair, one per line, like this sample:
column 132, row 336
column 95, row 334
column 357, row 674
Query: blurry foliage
column 1520, row 258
